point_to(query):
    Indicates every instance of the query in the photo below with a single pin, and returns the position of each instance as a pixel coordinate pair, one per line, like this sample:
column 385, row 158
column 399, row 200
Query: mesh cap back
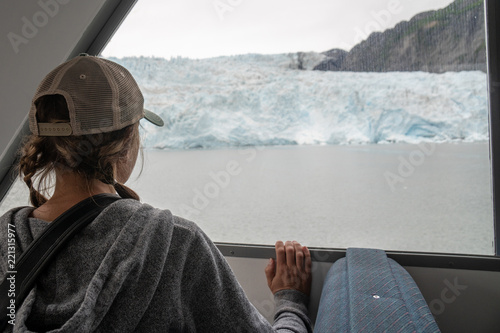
column 101, row 95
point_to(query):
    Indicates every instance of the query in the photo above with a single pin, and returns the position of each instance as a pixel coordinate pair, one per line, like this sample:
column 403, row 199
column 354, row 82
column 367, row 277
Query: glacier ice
column 256, row 99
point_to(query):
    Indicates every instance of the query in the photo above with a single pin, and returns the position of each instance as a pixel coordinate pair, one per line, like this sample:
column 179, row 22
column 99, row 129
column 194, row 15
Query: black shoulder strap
column 40, row 252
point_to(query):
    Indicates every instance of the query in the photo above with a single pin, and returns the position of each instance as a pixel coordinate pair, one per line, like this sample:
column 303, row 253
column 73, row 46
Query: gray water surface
column 427, row 198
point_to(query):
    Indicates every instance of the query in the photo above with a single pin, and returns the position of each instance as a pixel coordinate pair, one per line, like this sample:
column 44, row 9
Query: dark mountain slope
column 449, row 39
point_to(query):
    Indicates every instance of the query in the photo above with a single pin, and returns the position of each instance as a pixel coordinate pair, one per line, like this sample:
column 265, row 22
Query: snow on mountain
column 258, row 99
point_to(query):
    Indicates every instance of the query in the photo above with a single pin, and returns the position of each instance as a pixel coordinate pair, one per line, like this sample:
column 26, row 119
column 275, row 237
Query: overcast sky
column 208, row 28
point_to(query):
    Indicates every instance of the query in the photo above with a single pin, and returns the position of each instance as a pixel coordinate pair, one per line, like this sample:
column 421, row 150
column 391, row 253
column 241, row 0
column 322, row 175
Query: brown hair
column 92, row 156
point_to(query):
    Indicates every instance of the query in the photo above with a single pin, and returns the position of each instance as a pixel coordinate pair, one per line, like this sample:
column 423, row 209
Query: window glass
column 339, row 124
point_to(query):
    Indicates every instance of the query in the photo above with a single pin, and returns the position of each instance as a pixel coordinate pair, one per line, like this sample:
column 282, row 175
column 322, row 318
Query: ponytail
column 107, row 177
column 31, row 162
column 125, row 192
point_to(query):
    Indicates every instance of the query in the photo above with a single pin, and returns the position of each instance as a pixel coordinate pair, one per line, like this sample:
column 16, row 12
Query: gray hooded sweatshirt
column 139, row 269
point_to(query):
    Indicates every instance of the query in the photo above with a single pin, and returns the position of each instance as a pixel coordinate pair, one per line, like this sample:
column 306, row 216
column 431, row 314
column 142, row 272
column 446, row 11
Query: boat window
column 337, row 124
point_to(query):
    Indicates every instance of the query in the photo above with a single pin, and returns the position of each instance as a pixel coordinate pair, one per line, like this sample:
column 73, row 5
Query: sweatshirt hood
column 105, row 259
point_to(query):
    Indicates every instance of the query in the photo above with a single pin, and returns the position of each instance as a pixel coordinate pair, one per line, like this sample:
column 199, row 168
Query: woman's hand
column 291, row 269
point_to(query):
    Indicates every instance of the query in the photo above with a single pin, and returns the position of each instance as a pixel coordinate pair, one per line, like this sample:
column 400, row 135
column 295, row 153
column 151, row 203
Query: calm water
column 433, row 198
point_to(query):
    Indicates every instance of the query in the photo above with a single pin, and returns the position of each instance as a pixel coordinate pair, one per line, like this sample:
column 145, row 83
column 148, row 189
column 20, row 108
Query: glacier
column 255, row 99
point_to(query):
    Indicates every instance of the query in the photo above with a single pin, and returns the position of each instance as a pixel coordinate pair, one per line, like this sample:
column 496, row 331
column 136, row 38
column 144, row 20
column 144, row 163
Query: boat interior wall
column 462, row 300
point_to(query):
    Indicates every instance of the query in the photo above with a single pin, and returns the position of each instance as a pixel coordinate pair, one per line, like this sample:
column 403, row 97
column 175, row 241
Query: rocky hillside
column 449, row 39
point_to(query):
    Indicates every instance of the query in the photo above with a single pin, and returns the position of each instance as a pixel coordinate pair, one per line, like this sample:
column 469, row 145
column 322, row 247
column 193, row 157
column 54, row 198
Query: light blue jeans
column 368, row 292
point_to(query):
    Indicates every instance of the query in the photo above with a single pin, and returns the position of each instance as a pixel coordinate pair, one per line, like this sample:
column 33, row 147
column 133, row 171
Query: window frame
column 492, row 17
column 404, row 258
column 101, row 31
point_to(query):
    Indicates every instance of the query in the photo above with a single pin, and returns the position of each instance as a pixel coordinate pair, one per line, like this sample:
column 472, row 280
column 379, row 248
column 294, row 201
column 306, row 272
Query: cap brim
column 153, row 118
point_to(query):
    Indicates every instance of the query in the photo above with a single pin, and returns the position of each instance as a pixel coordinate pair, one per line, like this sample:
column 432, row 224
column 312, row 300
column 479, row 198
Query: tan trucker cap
column 101, row 95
